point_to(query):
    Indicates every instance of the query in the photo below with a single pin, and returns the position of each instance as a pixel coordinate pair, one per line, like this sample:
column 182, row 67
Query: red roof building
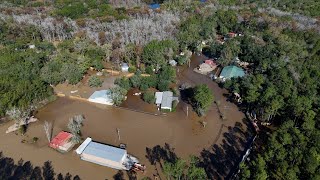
column 211, row 63
column 232, row 34
column 62, row 142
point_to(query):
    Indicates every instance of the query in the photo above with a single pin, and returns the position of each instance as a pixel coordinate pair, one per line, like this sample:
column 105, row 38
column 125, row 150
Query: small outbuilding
column 229, row 72
column 105, row 155
column 101, row 97
column 124, row 67
column 62, row 142
column 173, row 62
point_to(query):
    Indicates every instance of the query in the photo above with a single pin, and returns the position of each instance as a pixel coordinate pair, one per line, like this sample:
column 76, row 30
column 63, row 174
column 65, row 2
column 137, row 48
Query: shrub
column 167, row 73
column 181, row 60
column 142, row 68
column 143, row 86
column 148, row 97
column 175, row 91
column 138, row 72
column 118, row 95
column 73, row 10
column 174, row 105
column 163, row 85
column 72, row 73
column 97, row 64
column 35, row 139
column 165, row 110
column 94, row 81
column 45, row 46
column 22, row 129
column 135, row 81
column 132, row 69
column 152, row 81
column 149, row 70
column 123, row 83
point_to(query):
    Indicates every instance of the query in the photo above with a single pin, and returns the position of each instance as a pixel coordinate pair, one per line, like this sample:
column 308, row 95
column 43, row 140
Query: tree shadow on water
column 48, row 172
column 24, row 170
column 220, row 160
column 158, row 154
column 119, row 175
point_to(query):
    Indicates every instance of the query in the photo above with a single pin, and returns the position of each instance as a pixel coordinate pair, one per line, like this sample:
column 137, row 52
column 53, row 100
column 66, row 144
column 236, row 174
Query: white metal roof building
column 101, row 97
column 167, row 100
column 158, row 98
column 104, row 155
column 164, row 99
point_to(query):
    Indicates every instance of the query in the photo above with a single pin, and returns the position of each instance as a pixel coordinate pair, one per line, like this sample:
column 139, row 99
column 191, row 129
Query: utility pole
column 187, row 110
column 118, row 132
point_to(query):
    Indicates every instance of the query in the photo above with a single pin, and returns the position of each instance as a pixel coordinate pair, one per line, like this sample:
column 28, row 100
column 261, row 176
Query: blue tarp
column 154, row 6
column 105, row 151
column 203, row 1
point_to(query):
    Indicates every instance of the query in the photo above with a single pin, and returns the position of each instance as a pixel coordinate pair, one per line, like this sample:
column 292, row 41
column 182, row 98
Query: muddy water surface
column 138, row 130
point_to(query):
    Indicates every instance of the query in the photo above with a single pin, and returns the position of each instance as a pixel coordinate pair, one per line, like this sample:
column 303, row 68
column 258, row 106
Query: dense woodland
column 281, row 86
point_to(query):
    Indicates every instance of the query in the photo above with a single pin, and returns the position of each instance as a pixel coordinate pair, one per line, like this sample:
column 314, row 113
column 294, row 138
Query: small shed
column 229, row 72
column 154, row 6
column 62, row 142
column 173, row 62
column 124, row 67
column 101, row 97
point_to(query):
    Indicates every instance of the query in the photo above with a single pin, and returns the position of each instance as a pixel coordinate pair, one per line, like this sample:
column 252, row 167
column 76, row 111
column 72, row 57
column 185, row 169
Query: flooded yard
column 139, row 131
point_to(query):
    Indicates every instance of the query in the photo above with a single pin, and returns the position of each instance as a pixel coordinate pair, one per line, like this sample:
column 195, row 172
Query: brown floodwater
column 137, row 130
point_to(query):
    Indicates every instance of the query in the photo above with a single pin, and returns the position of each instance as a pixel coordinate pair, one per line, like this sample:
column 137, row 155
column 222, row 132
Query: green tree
column 74, row 126
column 118, row 95
column 148, row 97
column 229, row 52
column 167, row 73
column 158, row 53
column 174, row 170
column 195, row 172
column 135, row 81
column 163, row 85
column 94, row 81
column 202, row 98
column 189, row 32
column 73, row 10
column 123, row 82
column 72, row 73
column 51, row 72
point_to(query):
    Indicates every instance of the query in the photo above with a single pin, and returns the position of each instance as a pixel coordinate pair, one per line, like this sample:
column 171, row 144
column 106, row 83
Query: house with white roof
column 164, row 100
